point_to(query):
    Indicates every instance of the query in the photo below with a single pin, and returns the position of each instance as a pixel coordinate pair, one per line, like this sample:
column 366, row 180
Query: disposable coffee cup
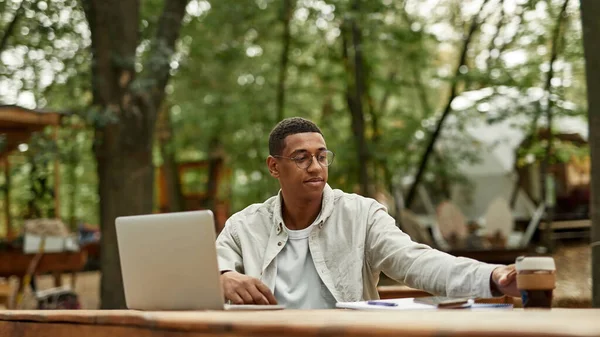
column 536, row 280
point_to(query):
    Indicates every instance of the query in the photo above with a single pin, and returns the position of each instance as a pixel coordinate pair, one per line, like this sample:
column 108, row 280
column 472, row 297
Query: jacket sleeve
column 229, row 252
column 391, row 251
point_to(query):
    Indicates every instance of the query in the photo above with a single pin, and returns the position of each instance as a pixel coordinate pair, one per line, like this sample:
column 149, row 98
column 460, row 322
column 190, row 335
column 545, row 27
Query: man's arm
column 229, row 252
column 392, row 252
column 237, row 287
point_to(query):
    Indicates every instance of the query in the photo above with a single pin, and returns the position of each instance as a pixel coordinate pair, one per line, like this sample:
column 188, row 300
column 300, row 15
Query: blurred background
column 467, row 119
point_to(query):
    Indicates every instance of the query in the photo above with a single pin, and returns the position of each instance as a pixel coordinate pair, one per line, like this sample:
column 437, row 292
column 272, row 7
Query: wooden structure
column 571, row 187
column 6, row 293
column 291, row 323
column 17, row 124
column 15, row 263
column 199, row 195
column 572, row 179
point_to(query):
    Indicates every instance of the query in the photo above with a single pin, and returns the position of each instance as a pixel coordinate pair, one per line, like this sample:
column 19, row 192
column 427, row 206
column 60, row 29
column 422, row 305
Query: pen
column 385, row 304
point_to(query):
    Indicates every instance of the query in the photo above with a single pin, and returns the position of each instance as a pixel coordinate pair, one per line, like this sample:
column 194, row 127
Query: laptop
column 169, row 262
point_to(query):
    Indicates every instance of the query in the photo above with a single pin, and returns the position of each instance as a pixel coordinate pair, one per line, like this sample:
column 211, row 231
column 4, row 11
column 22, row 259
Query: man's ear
column 273, row 167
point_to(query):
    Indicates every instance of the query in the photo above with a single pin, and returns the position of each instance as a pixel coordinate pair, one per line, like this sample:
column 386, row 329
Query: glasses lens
column 304, row 162
column 324, row 158
column 330, row 156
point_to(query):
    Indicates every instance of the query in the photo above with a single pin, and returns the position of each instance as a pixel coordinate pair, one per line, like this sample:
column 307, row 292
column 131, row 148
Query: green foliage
column 225, row 73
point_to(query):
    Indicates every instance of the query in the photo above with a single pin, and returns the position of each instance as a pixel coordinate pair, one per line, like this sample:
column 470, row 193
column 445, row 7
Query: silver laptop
column 169, row 262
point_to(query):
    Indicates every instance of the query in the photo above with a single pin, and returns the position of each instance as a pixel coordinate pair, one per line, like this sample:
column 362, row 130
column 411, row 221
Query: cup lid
column 535, row 263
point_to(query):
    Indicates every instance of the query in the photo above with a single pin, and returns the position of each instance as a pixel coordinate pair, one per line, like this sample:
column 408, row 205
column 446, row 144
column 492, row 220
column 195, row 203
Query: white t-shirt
column 298, row 285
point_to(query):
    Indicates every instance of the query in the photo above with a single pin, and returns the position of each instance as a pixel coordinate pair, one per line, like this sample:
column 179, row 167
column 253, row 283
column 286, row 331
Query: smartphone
column 443, row 302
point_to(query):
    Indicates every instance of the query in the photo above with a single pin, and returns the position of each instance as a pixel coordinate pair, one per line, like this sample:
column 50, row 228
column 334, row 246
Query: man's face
column 305, row 148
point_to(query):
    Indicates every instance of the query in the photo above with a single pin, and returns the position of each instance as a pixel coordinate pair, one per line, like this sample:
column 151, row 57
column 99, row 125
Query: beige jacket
column 354, row 241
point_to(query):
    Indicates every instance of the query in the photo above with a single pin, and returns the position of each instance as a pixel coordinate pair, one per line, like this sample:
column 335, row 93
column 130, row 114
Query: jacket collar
column 326, row 206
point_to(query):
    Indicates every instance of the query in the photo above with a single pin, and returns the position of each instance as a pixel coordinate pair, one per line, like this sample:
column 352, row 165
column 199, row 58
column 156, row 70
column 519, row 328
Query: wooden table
column 15, row 263
column 291, row 323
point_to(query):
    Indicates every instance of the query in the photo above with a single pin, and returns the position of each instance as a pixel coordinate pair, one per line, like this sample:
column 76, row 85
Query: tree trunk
column 447, row 109
column 533, row 128
column 590, row 12
column 418, row 81
column 171, row 173
column 545, row 164
column 356, row 86
column 422, row 92
column 125, row 177
column 517, row 186
column 382, row 175
column 71, row 173
column 124, row 133
column 286, row 15
column 215, row 169
column 7, row 190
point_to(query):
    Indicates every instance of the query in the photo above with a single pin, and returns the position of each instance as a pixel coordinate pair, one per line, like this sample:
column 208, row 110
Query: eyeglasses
column 304, row 160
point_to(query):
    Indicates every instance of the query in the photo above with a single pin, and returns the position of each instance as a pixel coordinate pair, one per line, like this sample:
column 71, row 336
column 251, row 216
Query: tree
column 356, row 90
column 164, row 133
column 590, row 12
column 461, row 67
column 128, row 103
column 286, row 39
column 11, row 26
column 545, row 164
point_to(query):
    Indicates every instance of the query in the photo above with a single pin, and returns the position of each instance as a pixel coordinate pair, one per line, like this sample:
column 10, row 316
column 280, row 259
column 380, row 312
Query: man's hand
column 504, row 280
column 242, row 289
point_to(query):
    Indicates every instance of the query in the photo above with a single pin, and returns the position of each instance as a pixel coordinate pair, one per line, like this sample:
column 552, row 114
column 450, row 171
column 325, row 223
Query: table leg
column 57, row 279
column 73, row 279
column 18, row 295
column 5, row 293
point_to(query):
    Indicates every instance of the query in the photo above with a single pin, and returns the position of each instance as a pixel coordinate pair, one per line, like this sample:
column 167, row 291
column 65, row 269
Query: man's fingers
column 235, row 298
column 503, row 277
column 245, row 295
column 511, row 276
column 258, row 297
column 266, row 292
column 242, row 289
column 507, row 277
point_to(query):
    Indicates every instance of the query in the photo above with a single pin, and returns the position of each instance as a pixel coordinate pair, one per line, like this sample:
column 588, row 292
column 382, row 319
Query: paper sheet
column 402, row 304
column 409, row 304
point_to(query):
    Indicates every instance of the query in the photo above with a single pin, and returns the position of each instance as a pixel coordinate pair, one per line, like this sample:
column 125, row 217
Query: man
column 311, row 246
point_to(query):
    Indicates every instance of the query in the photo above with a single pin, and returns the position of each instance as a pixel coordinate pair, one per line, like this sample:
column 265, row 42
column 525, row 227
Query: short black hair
column 287, row 127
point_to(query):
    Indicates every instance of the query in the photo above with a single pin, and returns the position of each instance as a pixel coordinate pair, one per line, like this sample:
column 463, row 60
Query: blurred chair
column 533, row 225
column 452, row 225
column 499, row 223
